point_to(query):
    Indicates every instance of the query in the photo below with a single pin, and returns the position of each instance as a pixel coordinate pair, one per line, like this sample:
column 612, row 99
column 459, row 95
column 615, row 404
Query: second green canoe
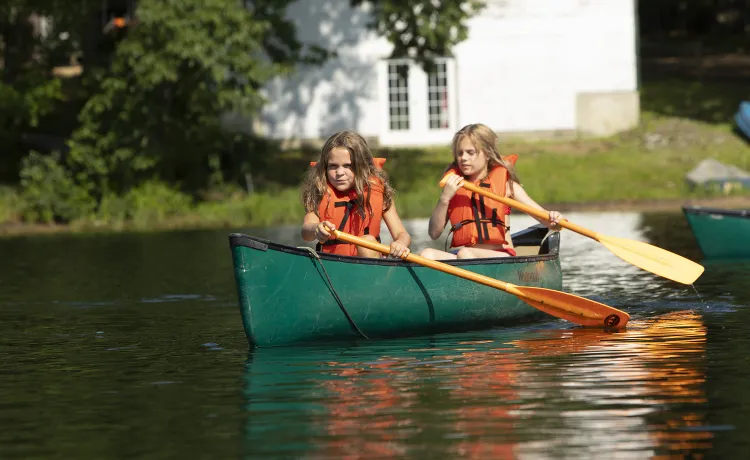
column 290, row 295
column 721, row 233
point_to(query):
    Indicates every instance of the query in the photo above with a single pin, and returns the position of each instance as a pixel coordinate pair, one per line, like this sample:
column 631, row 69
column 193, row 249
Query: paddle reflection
column 367, row 399
column 574, row 392
column 642, row 390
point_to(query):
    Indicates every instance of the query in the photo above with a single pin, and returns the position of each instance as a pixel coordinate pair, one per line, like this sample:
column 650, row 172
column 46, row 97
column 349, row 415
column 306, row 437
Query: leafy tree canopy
column 163, row 85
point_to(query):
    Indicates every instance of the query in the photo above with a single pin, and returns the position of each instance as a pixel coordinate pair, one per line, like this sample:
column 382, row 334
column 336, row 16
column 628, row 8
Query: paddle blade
column 579, row 310
column 655, row 260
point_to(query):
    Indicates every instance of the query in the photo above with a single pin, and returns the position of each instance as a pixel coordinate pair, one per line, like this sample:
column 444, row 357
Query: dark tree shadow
column 336, row 91
column 701, row 79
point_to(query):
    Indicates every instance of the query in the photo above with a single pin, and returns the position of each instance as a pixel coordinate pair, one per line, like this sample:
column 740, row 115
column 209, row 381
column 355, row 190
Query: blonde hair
column 484, row 139
column 315, row 185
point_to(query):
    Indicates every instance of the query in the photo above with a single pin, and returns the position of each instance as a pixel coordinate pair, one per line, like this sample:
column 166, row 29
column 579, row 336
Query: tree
column 157, row 113
column 422, row 29
column 184, row 64
column 31, row 45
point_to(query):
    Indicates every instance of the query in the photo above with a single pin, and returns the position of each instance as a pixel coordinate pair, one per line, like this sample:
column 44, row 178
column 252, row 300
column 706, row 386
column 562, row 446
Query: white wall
column 533, row 57
column 521, row 69
column 604, row 43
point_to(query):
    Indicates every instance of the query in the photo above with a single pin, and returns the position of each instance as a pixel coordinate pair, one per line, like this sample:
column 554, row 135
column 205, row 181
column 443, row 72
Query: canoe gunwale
column 699, row 210
column 533, row 236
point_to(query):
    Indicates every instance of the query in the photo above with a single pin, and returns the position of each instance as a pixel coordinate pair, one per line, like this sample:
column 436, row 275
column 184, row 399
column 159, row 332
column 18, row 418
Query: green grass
column 682, row 124
column 646, row 164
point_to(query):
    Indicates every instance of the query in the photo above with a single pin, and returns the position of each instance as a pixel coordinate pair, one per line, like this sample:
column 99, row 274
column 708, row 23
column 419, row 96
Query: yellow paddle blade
column 656, row 260
column 573, row 308
column 650, row 258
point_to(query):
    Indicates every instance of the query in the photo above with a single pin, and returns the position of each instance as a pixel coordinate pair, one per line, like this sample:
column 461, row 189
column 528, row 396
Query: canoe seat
column 527, row 250
column 532, row 241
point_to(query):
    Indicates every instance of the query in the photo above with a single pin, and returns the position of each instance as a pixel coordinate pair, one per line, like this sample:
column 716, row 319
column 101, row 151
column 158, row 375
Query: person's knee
column 465, row 253
column 428, row 253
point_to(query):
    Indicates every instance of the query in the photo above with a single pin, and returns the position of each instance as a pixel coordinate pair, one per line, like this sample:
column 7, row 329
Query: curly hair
column 366, row 174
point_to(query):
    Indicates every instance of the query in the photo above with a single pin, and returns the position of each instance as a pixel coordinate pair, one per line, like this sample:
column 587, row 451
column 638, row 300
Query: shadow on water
column 671, row 232
column 722, row 278
column 502, row 394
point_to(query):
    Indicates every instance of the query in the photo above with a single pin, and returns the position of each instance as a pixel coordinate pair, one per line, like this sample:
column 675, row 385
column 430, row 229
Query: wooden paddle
column 651, row 258
column 560, row 304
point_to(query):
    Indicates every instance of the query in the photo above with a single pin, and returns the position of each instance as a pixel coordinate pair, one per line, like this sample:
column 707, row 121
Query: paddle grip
column 524, row 208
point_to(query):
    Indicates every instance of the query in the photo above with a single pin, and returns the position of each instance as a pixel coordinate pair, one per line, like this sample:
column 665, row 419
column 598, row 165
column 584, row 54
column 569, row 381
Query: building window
column 437, row 96
column 398, row 96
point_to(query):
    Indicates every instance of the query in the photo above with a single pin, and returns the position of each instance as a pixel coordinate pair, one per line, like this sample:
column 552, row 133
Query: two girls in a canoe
column 480, row 226
column 347, row 189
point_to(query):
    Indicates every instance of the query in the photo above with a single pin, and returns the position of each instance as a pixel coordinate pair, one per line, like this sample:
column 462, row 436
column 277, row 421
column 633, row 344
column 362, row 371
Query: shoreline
column 655, row 205
column 14, row 229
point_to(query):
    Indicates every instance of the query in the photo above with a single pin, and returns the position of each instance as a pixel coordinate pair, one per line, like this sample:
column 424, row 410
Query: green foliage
column 50, row 192
column 154, row 114
column 153, row 202
column 22, row 105
column 147, row 206
column 158, row 109
column 553, row 172
column 423, row 30
column 30, row 98
column 11, row 204
column 280, row 42
column 258, row 210
column 681, row 18
column 713, row 102
column 29, row 93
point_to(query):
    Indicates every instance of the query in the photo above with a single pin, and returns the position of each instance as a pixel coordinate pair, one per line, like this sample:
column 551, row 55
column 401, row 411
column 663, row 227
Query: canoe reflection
column 574, row 392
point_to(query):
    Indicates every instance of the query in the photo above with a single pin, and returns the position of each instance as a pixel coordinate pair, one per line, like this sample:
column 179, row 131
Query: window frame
column 417, row 88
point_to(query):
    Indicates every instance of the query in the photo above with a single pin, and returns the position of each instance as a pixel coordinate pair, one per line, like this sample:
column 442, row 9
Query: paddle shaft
column 651, row 258
column 528, row 209
column 383, row 249
column 562, row 305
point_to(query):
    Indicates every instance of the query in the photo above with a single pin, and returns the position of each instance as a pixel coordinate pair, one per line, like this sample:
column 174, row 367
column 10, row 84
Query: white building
column 529, row 67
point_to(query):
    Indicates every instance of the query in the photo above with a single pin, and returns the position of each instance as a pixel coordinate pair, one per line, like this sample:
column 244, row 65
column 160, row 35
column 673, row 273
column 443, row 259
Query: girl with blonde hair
column 479, row 225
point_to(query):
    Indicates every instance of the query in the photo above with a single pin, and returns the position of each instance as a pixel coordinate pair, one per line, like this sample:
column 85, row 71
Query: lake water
column 131, row 346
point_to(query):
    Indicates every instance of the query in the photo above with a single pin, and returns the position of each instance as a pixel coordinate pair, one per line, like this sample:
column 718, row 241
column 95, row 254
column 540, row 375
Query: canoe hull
column 288, row 295
column 742, row 118
column 720, row 233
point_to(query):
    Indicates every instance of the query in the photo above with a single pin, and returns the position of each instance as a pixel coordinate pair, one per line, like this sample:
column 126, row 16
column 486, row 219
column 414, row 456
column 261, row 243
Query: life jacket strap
column 347, row 212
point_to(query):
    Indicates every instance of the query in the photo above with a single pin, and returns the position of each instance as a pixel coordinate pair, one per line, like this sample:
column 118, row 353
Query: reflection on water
column 549, row 394
column 131, row 345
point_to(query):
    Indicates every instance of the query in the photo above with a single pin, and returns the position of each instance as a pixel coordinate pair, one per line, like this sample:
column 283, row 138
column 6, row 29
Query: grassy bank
column 681, row 125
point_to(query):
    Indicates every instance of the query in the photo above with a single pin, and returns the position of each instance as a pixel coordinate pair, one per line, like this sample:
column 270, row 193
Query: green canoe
column 721, row 233
column 290, row 295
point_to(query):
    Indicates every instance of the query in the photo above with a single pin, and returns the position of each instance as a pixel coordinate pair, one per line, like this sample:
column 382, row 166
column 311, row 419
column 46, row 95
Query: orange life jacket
column 342, row 210
column 476, row 219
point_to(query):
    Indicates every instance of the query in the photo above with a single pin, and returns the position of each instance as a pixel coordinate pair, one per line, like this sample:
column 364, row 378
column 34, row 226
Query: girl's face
column 472, row 162
column 339, row 173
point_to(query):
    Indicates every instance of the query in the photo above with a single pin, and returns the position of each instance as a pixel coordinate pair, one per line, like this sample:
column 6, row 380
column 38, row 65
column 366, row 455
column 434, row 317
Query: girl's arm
column 401, row 238
column 440, row 214
column 519, row 194
column 313, row 228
